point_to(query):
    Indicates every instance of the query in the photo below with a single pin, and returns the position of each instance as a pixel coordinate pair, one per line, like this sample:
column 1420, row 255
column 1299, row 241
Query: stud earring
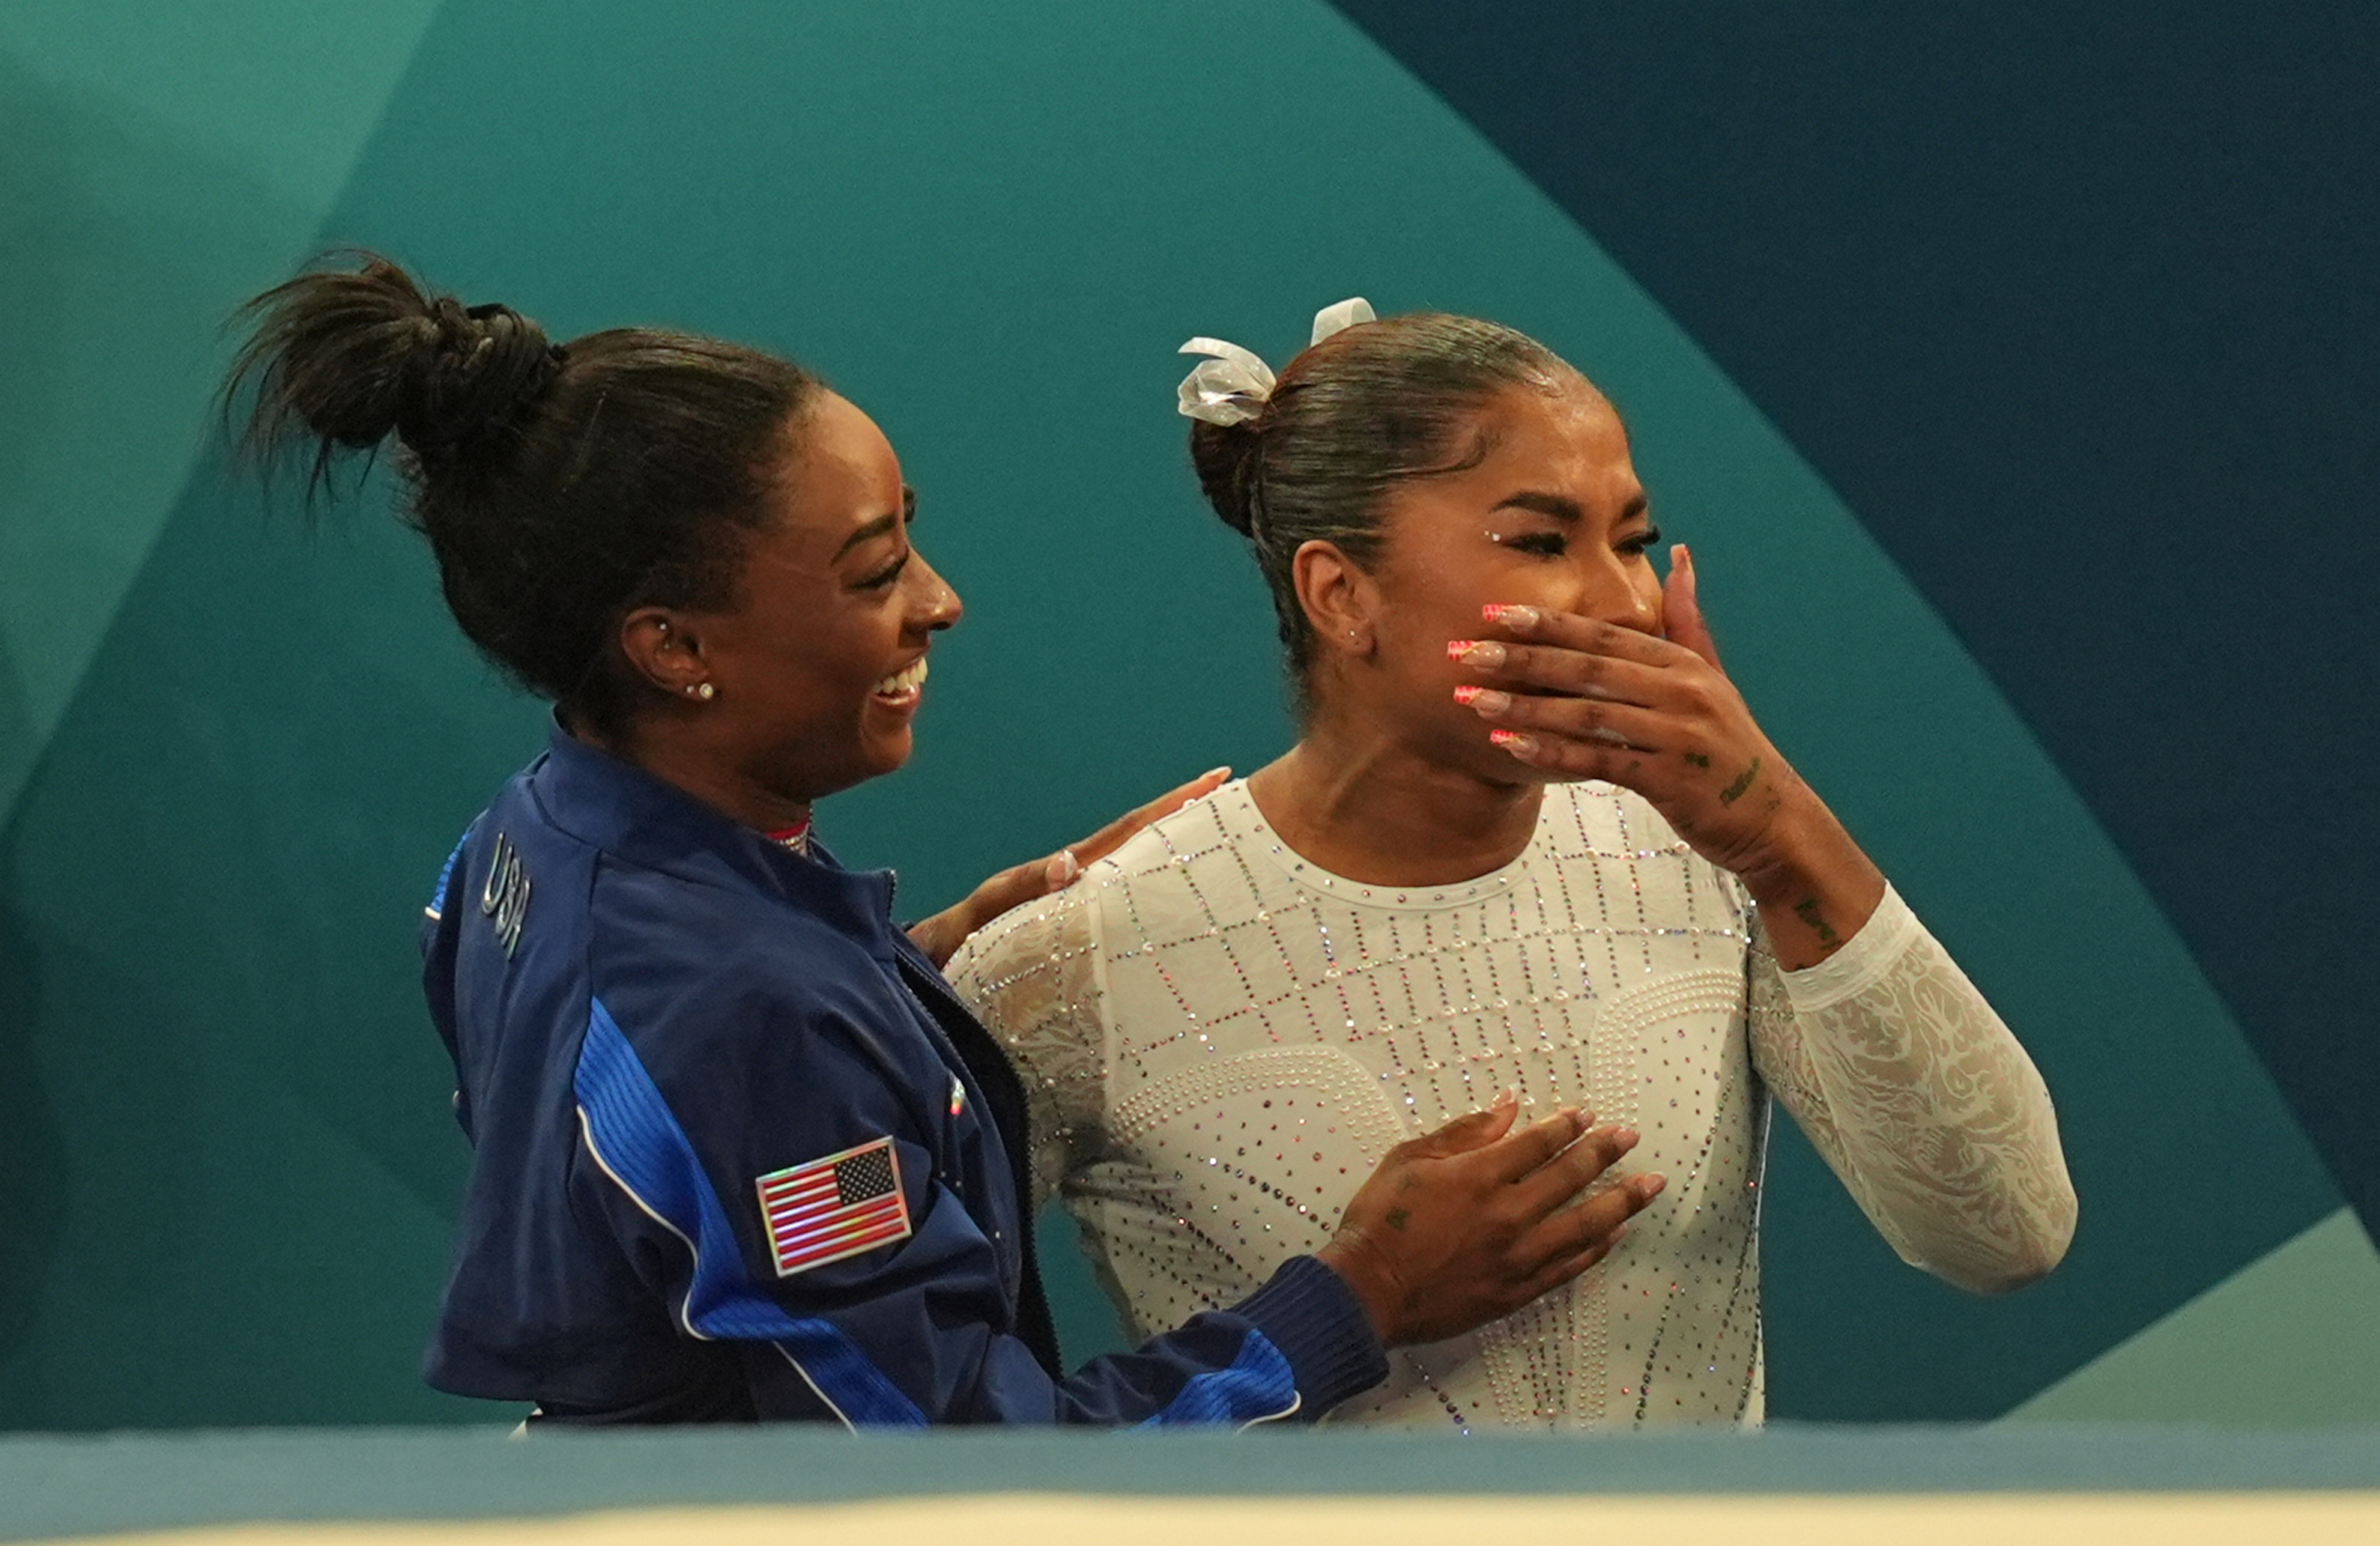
column 703, row 690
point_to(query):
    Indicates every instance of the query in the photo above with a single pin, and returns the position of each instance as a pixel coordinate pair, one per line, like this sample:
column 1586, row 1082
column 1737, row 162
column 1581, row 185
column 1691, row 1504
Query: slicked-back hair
column 1373, row 406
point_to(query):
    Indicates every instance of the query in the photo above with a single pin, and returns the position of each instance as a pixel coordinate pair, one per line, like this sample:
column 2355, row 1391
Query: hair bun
column 344, row 358
column 1228, row 458
column 474, row 367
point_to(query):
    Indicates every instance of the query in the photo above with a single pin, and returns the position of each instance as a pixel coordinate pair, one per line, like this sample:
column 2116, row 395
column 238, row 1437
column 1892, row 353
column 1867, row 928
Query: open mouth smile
column 902, row 687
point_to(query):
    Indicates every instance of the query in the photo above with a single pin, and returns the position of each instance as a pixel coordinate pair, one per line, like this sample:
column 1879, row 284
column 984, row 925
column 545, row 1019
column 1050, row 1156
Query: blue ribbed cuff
column 1309, row 1313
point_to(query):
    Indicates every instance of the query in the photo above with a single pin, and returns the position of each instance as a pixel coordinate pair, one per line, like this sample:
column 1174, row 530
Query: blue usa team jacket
column 739, row 1154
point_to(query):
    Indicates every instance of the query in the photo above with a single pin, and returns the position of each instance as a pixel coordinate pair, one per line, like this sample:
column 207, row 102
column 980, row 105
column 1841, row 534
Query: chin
column 1520, row 773
column 870, row 759
column 889, row 755
column 1492, row 766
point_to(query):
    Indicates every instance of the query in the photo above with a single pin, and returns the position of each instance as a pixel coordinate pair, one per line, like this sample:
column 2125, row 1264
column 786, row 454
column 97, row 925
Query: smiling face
column 819, row 665
column 1553, row 515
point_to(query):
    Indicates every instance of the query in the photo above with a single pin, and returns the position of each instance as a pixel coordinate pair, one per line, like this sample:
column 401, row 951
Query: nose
column 1643, row 610
column 935, row 606
column 1621, row 591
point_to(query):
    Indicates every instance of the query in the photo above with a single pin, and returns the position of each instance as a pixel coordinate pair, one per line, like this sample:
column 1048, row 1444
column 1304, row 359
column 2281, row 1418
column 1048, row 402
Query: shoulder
column 696, row 972
column 1022, row 941
column 1042, row 962
column 1165, row 863
column 1213, row 864
column 1029, row 972
column 666, row 922
column 1210, row 825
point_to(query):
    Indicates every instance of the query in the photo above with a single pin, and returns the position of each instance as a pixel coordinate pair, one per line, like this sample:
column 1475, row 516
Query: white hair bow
column 1233, row 385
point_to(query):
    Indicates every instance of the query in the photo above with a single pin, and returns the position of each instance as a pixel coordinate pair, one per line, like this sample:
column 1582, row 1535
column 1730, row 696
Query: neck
column 707, row 776
column 1363, row 806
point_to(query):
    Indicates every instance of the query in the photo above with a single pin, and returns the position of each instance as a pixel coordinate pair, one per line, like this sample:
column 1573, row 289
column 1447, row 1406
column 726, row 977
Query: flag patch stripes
column 834, row 1207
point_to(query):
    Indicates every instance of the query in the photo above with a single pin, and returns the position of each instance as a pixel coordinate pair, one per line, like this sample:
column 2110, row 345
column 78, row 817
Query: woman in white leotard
column 1530, row 840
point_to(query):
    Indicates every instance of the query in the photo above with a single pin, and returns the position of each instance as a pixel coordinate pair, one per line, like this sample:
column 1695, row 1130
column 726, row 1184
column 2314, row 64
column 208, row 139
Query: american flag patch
column 834, row 1207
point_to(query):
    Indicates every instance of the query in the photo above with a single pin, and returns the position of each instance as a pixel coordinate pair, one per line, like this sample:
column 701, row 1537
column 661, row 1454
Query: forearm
column 1922, row 1101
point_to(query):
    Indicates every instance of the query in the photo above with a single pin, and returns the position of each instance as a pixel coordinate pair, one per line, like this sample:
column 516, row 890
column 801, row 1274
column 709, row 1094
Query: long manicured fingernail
column 1065, row 867
column 1514, row 742
column 1504, row 1098
column 1457, row 648
column 1520, row 618
column 1481, row 654
column 1222, row 772
column 1650, row 1187
column 1624, row 1138
column 1486, row 700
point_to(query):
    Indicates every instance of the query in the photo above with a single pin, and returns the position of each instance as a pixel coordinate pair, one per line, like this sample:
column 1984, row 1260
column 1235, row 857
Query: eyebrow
column 883, row 524
column 1564, row 508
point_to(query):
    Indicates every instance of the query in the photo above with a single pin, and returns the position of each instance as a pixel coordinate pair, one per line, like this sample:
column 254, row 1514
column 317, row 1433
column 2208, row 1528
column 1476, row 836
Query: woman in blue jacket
column 738, row 1152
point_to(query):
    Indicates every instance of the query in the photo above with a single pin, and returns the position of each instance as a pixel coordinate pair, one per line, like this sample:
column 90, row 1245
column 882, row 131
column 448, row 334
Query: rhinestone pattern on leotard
column 1229, row 1040
column 1221, row 1041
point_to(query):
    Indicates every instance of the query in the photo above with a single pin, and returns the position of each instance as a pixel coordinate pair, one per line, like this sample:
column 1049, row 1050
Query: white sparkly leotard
column 1223, row 1041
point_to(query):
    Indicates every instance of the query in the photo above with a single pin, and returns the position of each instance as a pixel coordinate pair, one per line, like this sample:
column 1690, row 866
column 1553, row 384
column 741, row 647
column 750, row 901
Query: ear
column 1339, row 600
column 663, row 648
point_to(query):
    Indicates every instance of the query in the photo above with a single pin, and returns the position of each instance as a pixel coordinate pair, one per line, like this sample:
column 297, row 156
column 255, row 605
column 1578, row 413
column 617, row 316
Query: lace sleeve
column 1921, row 1100
column 1030, row 975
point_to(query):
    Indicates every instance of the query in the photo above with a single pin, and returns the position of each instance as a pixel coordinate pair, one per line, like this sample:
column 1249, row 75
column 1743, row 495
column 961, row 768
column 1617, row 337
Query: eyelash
column 1553, row 544
column 890, row 574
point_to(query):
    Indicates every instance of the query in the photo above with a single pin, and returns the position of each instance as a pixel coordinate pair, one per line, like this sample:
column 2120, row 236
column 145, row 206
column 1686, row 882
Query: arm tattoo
column 1397, row 1218
column 1807, row 911
column 1734, row 792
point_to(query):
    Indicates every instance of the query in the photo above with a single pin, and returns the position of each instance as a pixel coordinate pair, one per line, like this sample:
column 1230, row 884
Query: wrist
column 1349, row 1256
column 1814, row 886
column 1314, row 1320
column 1798, row 851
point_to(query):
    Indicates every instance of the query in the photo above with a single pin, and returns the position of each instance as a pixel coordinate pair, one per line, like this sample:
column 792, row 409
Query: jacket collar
column 628, row 812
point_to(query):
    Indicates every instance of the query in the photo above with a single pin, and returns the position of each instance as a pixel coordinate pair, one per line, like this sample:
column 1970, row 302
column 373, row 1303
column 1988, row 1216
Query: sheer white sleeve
column 1920, row 1099
column 1031, row 976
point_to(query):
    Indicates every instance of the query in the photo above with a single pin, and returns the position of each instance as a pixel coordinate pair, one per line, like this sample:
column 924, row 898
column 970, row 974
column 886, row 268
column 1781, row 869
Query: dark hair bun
column 354, row 357
column 474, row 370
column 1227, row 457
column 556, row 493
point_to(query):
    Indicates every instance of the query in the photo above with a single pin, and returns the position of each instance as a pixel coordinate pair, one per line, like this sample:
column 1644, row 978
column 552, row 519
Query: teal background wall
column 233, row 753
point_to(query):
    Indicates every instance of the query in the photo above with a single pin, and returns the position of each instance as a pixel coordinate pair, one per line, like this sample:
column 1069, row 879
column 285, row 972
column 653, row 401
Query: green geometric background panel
column 2287, row 1342
column 158, row 157
column 990, row 228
